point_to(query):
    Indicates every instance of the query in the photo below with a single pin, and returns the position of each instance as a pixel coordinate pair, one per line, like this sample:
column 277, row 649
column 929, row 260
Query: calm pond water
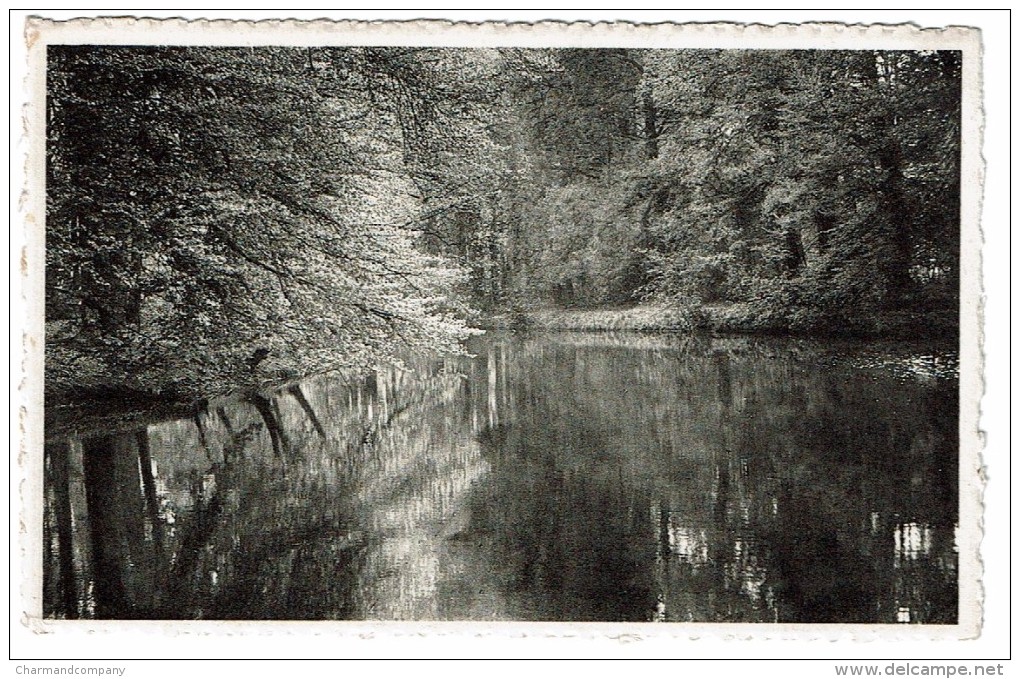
column 554, row 477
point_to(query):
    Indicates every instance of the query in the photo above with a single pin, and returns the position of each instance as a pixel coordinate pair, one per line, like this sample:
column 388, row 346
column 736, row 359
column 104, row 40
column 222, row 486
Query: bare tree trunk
column 651, row 125
column 295, row 391
column 281, row 449
column 896, row 262
column 65, row 586
column 149, row 487
column 116, row 514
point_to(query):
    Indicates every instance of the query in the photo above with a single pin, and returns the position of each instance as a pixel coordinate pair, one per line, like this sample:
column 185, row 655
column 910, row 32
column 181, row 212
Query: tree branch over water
column 206, row 202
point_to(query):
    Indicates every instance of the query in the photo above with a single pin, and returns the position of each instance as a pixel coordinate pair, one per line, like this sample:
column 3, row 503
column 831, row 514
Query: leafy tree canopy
column 321, row 207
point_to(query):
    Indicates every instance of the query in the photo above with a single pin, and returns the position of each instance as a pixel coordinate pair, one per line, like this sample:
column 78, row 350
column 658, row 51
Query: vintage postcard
column 443, row 327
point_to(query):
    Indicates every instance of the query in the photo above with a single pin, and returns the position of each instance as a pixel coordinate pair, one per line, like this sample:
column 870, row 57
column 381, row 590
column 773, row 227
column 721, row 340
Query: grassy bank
column 645, row 318
column 734, row 318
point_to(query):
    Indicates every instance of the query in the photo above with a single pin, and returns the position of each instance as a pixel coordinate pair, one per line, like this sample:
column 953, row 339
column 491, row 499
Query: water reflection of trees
column 575, row 479
column 740, row 486
column 254, row 508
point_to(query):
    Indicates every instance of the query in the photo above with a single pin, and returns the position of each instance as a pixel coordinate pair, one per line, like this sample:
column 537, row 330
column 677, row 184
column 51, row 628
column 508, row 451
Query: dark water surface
column 554, row 477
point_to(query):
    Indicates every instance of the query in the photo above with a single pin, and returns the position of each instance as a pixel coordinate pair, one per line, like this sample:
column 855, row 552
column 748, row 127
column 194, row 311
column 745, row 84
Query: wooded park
column 213, row 211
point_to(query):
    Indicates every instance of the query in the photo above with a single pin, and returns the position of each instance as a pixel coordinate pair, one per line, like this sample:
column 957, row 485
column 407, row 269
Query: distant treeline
column 807, row 189
column 209, row 208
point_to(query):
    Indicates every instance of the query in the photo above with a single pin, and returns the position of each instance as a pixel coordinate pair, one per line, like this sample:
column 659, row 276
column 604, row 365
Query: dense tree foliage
column 807, row 183
column 814, row 188
column 212, row 207
column 209, row 208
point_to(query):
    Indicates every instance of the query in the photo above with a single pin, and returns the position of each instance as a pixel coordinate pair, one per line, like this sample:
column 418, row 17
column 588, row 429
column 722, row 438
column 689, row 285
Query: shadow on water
column 557, row 477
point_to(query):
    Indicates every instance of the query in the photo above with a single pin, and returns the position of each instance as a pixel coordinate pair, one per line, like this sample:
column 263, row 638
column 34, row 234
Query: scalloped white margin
column 139, row 31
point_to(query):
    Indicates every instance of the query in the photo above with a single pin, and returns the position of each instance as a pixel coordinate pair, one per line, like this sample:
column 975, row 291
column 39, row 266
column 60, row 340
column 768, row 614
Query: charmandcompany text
column 72, row 669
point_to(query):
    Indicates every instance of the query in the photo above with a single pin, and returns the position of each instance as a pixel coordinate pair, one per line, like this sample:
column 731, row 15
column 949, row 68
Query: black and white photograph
column 599, row 328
